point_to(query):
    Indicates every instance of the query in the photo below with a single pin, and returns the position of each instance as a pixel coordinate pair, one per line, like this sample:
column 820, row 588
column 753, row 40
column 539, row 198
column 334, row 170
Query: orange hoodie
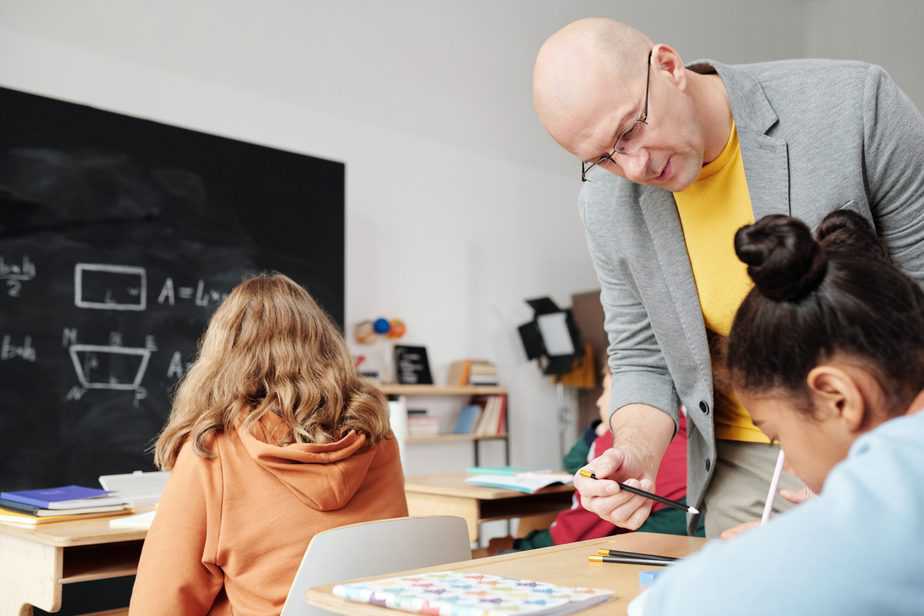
column 230, row 531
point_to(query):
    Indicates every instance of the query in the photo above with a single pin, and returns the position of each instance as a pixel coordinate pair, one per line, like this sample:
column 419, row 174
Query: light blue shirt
column 855, row 550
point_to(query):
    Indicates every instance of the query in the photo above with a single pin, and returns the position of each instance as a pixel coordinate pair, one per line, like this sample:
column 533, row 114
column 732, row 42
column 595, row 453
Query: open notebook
column 520, row 482
column 453, row 593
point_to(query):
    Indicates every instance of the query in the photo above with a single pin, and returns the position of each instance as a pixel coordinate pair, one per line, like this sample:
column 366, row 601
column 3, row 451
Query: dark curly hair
column 813, row 297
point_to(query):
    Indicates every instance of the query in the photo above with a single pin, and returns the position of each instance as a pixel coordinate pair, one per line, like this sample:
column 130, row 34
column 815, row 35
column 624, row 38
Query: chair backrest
column 375, row 548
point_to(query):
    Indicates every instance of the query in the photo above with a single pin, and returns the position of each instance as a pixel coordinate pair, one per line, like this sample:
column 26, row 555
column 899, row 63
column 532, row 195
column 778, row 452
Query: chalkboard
column 118, row 238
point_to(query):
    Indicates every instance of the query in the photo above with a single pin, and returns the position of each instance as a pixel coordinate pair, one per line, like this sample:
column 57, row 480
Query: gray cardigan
column 816, row 135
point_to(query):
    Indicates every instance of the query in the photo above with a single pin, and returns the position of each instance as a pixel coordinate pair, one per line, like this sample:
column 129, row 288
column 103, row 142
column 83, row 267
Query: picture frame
column 412, row 366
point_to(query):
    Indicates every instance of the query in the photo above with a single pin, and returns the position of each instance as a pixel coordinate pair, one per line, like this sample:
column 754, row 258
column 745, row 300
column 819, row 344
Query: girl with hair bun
column 827, row 354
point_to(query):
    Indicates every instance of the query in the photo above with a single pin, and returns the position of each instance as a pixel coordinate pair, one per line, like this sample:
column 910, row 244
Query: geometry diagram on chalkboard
column 101, row 286
column 109, row 367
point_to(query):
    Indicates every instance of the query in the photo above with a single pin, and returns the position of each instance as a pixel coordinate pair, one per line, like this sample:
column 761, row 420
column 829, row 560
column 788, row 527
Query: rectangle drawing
column 101, row 286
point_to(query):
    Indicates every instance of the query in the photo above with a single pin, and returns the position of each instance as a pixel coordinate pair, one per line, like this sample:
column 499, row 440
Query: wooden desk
column 448, row 494
column 36, row 562
column 565, row 564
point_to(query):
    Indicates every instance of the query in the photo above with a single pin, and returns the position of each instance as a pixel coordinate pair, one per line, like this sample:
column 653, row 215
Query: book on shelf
column 502, row 415
column 493, row 419
column 458, row 372
column 476, row 372
column 468, row 417
column 422, row 425
column 528, row 482
column 457, row 593
column 483, row 374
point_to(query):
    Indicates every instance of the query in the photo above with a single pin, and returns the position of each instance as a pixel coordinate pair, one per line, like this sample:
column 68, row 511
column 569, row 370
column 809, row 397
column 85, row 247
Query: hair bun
column 846, row 230
column 784, row 260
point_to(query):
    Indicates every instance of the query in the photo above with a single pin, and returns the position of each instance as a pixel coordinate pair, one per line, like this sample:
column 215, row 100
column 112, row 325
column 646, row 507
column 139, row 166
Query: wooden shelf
column 439, row 390
column 100, row 562
column 449, row 438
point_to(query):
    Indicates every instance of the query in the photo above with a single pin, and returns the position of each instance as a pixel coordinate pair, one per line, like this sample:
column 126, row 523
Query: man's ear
column 666, row 59
column 835, row 395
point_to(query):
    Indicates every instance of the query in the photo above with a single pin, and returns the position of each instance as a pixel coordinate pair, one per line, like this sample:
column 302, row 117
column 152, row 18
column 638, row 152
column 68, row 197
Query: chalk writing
column 10, row 350
column 14, row 274
column 199, row 294
column 102, row 286
column 109, row 367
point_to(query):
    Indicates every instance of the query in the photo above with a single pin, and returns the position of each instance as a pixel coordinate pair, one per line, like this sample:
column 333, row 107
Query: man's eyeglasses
column 626, row 137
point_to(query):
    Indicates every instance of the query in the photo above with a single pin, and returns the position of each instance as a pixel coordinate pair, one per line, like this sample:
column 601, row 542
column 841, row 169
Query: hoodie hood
column 324, row 476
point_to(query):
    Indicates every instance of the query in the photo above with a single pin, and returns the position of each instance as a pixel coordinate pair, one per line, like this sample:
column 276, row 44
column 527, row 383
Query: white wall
column 887, row 32
column 458, row 205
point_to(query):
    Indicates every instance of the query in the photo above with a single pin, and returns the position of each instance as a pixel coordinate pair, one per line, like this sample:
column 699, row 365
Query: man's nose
column 636, row 165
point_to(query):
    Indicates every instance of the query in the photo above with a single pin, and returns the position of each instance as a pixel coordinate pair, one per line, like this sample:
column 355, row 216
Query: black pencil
column 660, row 499
column 624, row 554
column 649, row 562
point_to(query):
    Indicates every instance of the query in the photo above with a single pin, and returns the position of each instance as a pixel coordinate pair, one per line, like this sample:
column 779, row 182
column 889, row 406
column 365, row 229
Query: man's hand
column 603, row 495
column 641, row 434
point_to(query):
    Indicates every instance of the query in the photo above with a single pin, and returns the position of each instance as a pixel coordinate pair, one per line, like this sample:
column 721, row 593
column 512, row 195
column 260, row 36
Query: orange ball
column 397, row 329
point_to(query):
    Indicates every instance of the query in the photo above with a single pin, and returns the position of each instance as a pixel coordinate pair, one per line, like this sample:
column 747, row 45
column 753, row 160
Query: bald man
column 674, row 159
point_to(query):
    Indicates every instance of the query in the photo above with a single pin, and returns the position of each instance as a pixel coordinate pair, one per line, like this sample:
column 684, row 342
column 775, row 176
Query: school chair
column 375, row 548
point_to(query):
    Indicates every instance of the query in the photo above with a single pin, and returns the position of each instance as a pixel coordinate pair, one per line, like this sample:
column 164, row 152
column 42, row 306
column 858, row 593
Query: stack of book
column 477, row 372
column 420, row 423
column 30, row 508
column 485, row 416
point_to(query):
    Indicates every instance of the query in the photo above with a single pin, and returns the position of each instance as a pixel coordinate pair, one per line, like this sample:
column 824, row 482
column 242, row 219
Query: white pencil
column 771, row 495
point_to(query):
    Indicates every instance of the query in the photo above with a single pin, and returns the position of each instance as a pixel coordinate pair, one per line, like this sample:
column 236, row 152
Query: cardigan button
column 704, row 407
column 708, row 464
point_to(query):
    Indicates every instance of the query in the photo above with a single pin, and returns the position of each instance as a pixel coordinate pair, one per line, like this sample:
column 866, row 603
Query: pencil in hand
column 638, row 491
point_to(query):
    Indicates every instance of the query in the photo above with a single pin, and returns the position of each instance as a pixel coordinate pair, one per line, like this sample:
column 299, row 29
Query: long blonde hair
column 270, row 348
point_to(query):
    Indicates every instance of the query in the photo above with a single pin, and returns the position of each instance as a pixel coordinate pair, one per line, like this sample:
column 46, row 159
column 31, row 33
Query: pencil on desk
column 652, row 562
column 660, row 499
column 624, row 554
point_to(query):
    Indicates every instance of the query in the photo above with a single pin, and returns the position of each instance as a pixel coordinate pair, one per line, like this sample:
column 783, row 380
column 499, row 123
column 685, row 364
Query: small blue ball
column 381, row 325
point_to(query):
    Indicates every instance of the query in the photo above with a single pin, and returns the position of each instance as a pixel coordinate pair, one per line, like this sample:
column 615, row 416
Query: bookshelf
column 436, row 391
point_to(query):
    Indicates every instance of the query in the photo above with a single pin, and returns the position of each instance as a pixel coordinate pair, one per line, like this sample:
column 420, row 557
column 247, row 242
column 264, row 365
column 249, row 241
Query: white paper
column 140, row 521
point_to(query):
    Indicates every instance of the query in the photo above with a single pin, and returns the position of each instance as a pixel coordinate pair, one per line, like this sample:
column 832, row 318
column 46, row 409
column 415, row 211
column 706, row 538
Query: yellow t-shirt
column 711, row 209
